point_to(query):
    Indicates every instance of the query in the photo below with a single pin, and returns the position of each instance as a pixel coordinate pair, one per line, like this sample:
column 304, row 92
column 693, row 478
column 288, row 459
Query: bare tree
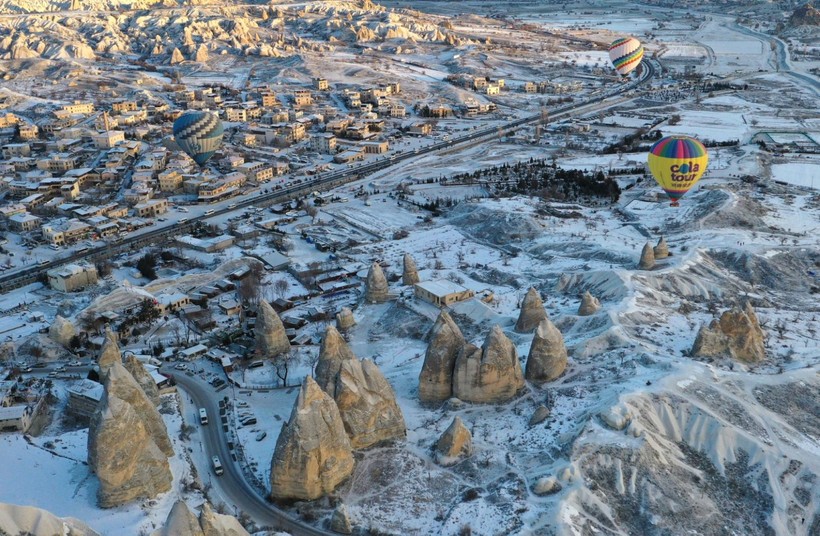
column 280, row 286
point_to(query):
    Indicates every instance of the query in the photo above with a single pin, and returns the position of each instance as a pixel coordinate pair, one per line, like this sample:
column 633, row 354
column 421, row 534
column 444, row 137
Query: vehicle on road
column 209, row 212
column 217, row 466
column 75, row 363
column 203, row 416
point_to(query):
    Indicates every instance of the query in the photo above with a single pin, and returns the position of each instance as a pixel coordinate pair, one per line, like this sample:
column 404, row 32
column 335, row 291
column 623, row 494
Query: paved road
column 322, row 182
column 232, row 483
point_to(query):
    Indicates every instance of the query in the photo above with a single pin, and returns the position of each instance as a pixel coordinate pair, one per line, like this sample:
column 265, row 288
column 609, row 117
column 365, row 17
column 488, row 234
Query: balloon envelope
column 625, row 54
column 677, row 163
column 199, row 134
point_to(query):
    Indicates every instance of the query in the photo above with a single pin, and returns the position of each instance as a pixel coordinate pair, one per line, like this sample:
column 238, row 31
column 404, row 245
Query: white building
column 442, row 292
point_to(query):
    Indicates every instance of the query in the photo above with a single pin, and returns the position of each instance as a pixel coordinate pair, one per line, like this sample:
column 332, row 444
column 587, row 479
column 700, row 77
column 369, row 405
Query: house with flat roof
column 442, row 292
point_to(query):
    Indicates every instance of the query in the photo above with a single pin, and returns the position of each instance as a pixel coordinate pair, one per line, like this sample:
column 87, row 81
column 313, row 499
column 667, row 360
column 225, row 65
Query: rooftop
column 441, row 287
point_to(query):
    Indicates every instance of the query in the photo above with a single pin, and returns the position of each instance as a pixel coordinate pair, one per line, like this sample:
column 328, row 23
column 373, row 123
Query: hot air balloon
column 199, row 134
column 626, row 54
column 677, row 163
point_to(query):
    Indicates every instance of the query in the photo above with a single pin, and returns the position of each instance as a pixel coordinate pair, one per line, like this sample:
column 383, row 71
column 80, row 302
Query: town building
column 320, row 84
column 108, row 139
column 442, row 292
column 152, row 208
column 323, row 143
column 24, row 222
column 83, row 398
column 72, row 277
column 63, row 231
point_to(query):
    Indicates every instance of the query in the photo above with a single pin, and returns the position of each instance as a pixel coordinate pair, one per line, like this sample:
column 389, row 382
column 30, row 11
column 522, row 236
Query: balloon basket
column 674, row 204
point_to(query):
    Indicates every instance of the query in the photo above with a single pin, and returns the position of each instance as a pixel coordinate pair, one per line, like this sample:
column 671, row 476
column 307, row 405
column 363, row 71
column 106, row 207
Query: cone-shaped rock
column 367, row 404
column 201, row 53
column 737, row 334
column 376, row 285
column 548, row 355
column 662, row 249
column 532, row 312
column 180, row 522
column 436, row 377
column 144, row 379
column 340, row 521
column 344, row 319
column 214, row 524
column 110, row 352
column 313, row 454
column 454, row 444
column 647, row 261
column 128, row 445
column 333, row 352
column 28, row 520
column 410, row 275
column 269, row 332
column 176, row 57
column 62, row 331
column 490, row 374
column 589, row 305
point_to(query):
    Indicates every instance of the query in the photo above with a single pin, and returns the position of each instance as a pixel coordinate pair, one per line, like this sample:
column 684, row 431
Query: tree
column 147, row 265
column 250, row 287
column 282, row 365
column 280, row 286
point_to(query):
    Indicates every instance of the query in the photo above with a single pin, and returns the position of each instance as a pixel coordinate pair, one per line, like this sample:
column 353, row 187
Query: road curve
column 232, row 482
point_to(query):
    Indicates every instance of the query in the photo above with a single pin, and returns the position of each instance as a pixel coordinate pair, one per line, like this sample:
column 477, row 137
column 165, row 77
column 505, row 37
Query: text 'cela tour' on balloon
column 199, row 134
column 625, row 54
column 677, row 163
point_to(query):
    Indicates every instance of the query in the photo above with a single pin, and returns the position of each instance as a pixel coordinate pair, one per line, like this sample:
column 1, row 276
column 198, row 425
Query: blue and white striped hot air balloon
column 199, row 134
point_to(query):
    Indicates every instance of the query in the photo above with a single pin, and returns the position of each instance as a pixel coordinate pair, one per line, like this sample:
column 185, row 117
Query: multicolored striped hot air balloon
column 199, row 134
column 677, row 163
column 626, row 54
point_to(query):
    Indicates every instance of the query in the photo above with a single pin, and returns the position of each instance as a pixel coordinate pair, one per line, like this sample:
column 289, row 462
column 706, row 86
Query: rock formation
column 662, row 249
column 344, row 319
column 180, row 522
column 332, row 353
column 110, row 352
column 532, row 312
column 548, row 355
column 410, row 275
column 376, row 285
column 367, row 404
column 176, row 57
column 128, row 445
column 805, row 15
column 647, row 261
column 313, row 454
column 62, row 331
column 589, row 305
column 269, row 332
column 214, row 524
column 454, row 444
column 737, row 335
column 436, row 377
column 489, row 374
column 144, row 379
column 201, row 53
column 31, row 521
column 340, row 521
column 546, row 485
column 540, row 415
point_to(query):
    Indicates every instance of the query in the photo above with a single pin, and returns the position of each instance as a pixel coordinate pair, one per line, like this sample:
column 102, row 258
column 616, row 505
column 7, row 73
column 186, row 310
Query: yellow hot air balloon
column 677, row 163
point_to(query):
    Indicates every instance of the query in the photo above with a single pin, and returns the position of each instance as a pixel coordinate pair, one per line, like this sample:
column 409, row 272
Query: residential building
column 24, row 222
column 236, row 115
column 79, row 107
column 10, row 210
column 124, row 106
column 72, row 277
column 397, row 111
column 257, row 171
column 320, row 84
column 151, row 208
column 109, row 139
column 170, row 180
column 83, row 398
column 442, row 292
column 375, row 147
column 171, row 302
column 58, row 163
column 65, row 231
column 28, row 131
column 530, row 87
column 323, row 143
column 493, row 90
column 348, row 156
column 16, row 417
column 11, row 150
column 420, row 129
column 302, row 98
